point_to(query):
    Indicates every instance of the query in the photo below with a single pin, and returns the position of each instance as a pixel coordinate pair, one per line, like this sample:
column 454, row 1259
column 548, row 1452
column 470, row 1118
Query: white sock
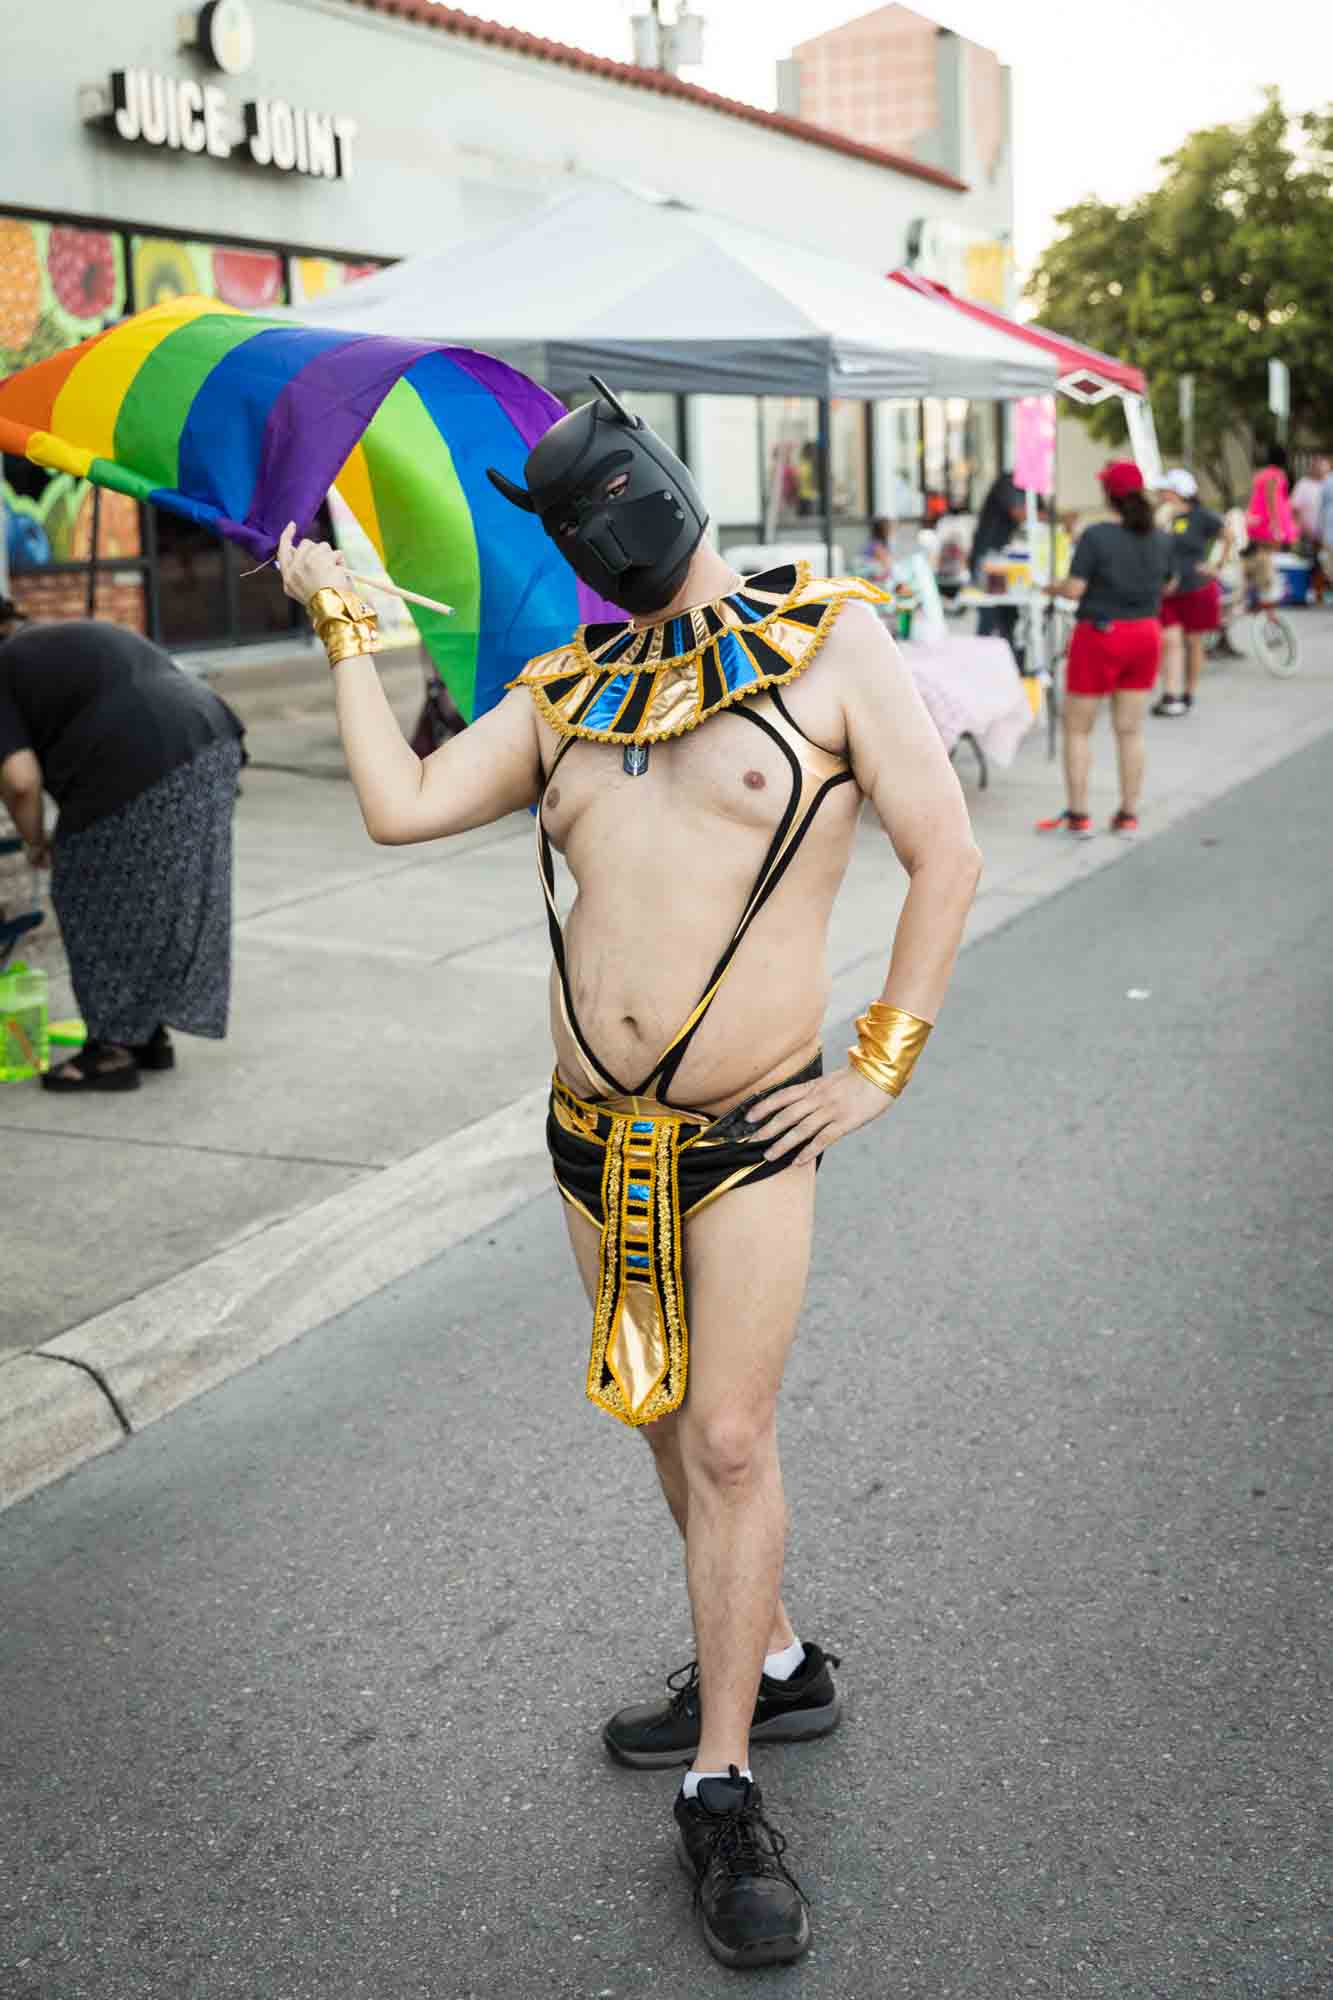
column 690, row 1783
column 781, row 1666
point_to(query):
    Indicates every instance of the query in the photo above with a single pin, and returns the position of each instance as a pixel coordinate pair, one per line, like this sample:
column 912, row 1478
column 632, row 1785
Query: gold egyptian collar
column 637, row 684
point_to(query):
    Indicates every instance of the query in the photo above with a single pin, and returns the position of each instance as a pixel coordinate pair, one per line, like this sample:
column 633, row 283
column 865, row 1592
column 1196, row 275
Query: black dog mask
column 615, row 500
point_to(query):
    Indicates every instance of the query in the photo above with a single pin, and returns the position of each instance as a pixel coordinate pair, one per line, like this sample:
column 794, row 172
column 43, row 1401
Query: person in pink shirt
column 1270, row 525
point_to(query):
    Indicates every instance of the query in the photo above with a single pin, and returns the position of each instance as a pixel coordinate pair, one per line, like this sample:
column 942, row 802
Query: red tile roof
column 453, row 21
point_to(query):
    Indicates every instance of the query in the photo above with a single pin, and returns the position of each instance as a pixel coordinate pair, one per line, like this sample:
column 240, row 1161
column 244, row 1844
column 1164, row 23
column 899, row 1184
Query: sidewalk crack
column 90, row 1369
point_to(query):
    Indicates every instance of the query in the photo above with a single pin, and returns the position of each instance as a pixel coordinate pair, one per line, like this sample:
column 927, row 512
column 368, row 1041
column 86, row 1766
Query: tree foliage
column 1226, row 264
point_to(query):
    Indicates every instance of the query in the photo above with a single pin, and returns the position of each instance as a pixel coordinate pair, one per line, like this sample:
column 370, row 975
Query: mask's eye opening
column 615, row 487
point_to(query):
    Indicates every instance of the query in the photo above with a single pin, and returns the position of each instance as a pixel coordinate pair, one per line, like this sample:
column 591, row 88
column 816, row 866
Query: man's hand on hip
column 802, row 1120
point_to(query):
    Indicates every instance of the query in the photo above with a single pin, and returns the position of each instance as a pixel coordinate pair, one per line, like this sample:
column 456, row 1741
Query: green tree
column 1226, row 264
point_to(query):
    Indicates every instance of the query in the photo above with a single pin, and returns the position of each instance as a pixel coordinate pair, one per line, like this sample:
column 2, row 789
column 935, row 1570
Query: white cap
column 1181, row 482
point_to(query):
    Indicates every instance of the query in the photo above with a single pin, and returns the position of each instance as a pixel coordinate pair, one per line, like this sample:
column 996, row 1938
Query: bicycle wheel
column 1276, row 645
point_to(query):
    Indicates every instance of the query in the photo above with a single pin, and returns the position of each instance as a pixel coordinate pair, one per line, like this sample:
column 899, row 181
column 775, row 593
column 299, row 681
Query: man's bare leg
column 1193, row 663
column 743, row 1315
column 663, row 1437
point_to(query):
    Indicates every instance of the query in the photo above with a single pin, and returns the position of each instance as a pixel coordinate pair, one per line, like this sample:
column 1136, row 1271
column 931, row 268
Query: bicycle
column 1262, row 633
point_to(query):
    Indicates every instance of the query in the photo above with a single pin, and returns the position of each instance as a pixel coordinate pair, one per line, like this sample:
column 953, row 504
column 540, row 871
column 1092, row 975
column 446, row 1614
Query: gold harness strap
column 640, row 1345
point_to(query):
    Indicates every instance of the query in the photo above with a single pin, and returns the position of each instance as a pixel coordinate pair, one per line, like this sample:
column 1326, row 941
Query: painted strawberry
column 83, row 269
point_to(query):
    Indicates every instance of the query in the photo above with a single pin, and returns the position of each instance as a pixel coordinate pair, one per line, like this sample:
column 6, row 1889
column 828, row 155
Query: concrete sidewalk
column 378, row 1096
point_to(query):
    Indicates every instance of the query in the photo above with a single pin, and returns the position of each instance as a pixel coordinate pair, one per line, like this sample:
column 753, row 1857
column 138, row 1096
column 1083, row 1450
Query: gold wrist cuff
column 888, row 1042
column 344, row 624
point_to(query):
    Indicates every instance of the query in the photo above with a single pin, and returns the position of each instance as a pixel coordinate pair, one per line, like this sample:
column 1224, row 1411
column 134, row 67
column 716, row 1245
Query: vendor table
column 972, row 691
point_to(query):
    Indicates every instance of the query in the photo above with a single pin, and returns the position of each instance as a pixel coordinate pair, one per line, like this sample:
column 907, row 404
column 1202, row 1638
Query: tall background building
column 897, row 80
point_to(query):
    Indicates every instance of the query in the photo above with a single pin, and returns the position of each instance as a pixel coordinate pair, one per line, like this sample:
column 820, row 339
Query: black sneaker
column 751, row 1910
column 654, row 1734
column 1172, row 704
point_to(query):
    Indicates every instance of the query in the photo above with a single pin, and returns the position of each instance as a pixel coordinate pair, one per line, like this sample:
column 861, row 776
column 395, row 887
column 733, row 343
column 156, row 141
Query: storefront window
column 792, row 497
column 959, row 455
column 794, row 502
column 847, row 460
column 897, row 445
column 934, row 458
column 724, row 458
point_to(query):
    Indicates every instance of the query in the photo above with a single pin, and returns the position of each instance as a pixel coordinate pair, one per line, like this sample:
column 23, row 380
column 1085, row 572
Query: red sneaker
column 1079, row 824
column 1126, row 824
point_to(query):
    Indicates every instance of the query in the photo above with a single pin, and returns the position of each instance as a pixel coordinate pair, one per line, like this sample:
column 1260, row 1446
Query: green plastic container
column 24, row 1045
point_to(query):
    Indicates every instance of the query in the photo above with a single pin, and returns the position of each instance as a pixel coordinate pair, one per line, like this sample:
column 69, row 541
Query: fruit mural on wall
column 312, row 277
column 57, row 285
column 167, row 268
column 57, row 525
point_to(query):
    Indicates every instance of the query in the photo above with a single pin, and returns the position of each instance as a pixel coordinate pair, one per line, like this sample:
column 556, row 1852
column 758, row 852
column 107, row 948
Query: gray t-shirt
column 1125, row 574
column 1192, row 536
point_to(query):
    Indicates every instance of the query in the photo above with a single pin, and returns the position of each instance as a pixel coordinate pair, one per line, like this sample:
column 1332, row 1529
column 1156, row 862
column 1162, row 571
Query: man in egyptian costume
column 700, row 766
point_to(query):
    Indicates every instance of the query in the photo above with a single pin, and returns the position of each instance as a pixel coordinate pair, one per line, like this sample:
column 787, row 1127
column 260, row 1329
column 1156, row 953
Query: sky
column 1100, row 92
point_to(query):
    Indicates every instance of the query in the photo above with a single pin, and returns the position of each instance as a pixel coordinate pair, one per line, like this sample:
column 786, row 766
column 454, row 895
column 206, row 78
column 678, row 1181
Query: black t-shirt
column 105, row 713
column 996, row 526
column 1125, row 574
column 1192, row 535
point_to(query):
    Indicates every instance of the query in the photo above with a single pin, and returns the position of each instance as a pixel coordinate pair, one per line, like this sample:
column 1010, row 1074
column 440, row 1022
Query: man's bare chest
column 735, row 773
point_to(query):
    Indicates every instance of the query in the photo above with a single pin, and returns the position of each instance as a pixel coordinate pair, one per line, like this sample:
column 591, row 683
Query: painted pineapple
column 20, row 283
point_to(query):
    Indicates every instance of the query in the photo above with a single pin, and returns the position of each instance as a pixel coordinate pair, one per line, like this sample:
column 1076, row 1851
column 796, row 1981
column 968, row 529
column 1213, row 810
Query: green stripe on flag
column 429, row 541
column 157, row 402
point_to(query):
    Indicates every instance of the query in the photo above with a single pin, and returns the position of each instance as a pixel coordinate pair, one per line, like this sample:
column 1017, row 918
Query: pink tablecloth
column 972, row 685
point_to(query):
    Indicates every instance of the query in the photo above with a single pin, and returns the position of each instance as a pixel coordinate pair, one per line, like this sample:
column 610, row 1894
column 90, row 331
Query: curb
column 85, row 1390
column 55, row 1417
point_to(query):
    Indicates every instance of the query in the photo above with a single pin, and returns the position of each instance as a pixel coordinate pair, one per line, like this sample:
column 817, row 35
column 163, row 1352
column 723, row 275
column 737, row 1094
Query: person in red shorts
column 1193, row 606
column 1117, row 577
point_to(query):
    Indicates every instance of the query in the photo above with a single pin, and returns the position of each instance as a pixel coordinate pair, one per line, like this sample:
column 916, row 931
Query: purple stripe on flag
column 316, row 419
column 531, row 410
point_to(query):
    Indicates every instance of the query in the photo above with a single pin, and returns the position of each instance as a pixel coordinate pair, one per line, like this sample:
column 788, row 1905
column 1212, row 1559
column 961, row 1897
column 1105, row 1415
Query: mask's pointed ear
column 519, row 495
column 613, row 402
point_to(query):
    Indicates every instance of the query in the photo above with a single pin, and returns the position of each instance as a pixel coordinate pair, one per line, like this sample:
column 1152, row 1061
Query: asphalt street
column 300, row 1690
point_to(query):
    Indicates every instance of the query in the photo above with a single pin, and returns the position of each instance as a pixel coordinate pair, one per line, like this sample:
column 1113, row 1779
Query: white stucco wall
column 455, row 137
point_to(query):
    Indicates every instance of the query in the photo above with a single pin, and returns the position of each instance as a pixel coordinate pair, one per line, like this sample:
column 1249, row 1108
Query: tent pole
column 826, row 477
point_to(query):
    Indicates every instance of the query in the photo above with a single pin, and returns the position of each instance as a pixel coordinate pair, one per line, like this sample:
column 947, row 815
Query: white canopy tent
column 654, row 296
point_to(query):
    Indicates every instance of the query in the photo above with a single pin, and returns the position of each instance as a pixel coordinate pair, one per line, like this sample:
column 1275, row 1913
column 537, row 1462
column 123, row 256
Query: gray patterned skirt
column 144, row 903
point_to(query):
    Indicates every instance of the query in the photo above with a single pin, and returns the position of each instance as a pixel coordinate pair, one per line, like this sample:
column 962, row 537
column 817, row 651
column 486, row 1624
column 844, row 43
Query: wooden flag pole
column 375, row 583
column 396, row 590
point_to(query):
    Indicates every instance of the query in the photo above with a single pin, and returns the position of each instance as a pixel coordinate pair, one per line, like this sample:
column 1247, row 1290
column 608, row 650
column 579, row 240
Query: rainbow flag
column 244, row 423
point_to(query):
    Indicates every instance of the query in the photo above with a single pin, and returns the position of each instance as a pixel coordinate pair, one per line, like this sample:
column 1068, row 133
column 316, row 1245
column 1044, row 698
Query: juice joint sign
column 147, row 107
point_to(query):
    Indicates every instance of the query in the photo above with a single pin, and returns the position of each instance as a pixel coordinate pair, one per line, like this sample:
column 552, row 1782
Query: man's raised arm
column 491, row 769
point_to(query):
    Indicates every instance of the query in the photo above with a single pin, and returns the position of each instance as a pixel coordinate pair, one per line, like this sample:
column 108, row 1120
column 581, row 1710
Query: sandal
column 156, row 1052
column 97, row 1066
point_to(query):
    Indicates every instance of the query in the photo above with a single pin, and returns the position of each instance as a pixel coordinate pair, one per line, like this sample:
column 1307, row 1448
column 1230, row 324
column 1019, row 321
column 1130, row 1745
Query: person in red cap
column 1117, row 576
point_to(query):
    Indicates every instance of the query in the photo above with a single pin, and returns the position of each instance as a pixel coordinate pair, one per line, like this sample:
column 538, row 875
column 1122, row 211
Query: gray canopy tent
column 652, row 295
